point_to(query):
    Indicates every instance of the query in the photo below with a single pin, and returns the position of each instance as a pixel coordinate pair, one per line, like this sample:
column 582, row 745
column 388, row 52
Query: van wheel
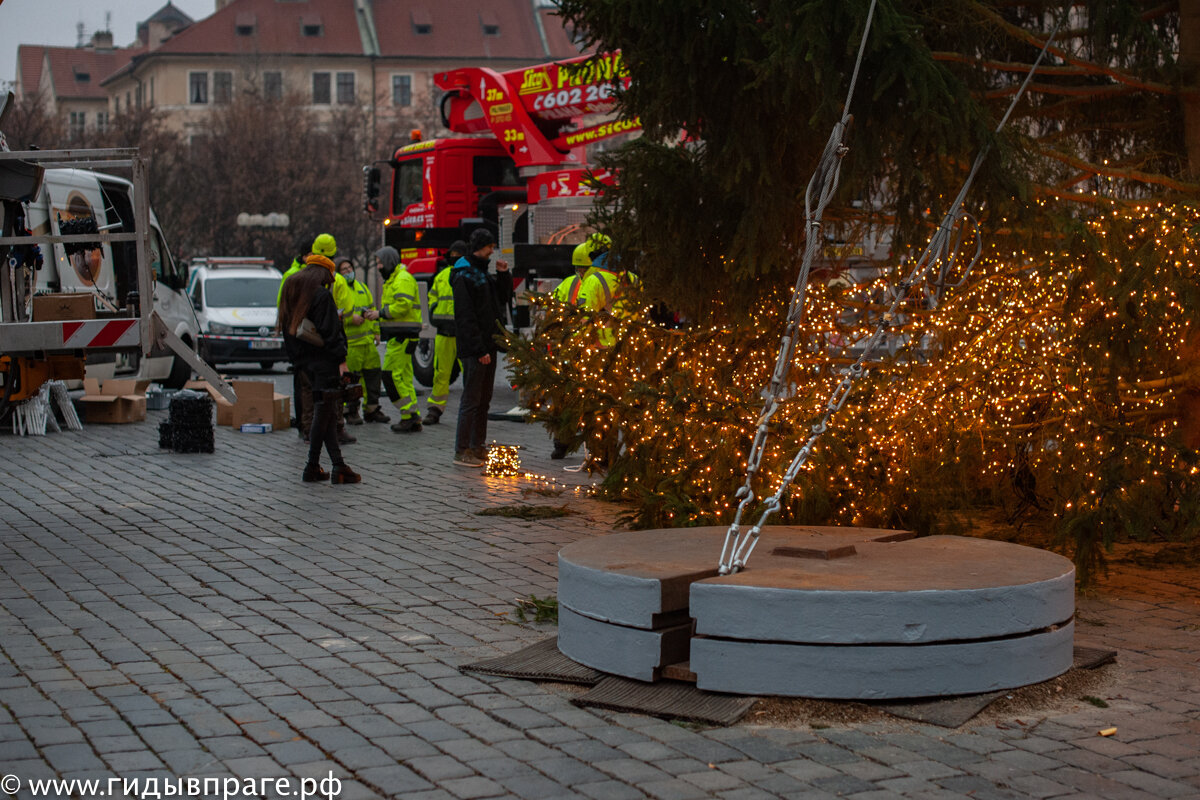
column 267, row 366
column 422, row 359
column 181, row 373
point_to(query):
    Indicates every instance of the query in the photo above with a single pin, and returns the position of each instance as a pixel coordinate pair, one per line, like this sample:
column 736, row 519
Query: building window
column 102, row 121
column 273, row 85
column 75, row 124
column 222, row 87
column 197, row 87
column 402, row 90
column 117, row 104
column 321, row 88
column 345, row 88
column 128, row 101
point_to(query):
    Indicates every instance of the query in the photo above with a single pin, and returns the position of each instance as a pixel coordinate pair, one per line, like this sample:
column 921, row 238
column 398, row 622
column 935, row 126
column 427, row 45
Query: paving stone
column 1161, row 787
column 468, row 788
column 609, row 790
column 396, row 780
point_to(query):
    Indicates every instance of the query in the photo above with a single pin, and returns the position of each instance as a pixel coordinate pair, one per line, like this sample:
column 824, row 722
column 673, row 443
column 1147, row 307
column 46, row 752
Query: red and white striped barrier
column 100, row 333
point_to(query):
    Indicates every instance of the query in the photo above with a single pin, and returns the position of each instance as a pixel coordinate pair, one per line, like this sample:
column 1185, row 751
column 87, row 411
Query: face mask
column 349, row 276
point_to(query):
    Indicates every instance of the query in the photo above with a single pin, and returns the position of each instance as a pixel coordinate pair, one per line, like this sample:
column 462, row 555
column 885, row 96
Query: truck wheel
column 422, row 359
column 267, row 365
column 181, row 373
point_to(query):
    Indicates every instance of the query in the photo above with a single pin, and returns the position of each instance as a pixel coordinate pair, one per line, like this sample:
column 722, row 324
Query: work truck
column 87, row 283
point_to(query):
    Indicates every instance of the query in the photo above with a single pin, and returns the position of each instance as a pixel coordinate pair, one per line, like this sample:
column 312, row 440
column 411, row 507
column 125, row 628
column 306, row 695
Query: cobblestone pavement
column 167, row 615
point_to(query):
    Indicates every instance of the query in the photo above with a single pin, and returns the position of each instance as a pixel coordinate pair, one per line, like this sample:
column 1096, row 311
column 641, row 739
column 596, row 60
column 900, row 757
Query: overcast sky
column 56, row 22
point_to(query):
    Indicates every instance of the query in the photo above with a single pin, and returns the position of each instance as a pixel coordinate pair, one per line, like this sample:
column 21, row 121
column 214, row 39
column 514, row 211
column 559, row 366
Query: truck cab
column 441, row 190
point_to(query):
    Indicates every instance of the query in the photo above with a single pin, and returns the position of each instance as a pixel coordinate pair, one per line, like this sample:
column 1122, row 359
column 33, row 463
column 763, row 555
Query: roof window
column 489, row 22
column 422, row 22
column 245, row 24
column 81, row 74
column 310, row 25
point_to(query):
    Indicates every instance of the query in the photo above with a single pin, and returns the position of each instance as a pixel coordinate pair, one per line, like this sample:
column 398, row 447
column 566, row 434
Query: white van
column 234, row 300
column 110, row 271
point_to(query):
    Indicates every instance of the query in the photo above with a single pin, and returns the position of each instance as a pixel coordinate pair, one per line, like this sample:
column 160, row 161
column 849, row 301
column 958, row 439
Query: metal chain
column 940, row 250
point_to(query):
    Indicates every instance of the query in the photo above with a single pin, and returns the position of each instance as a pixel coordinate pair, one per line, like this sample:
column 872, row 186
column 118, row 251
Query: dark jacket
column 479, row 301
column 324, row 315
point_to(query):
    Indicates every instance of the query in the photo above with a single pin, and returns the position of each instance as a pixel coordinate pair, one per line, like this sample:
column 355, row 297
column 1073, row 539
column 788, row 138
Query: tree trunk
column 1189, row 67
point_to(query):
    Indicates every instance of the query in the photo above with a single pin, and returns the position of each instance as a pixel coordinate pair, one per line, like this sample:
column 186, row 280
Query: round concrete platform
column 863, row 607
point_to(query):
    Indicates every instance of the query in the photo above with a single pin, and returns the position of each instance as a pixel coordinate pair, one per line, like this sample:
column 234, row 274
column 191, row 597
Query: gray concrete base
column 936, row 589
column 868, row 672
column 620, row 650
column 878, row 613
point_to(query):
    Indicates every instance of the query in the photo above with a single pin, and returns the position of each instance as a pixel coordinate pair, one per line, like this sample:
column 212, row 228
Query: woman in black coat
column 315, row 342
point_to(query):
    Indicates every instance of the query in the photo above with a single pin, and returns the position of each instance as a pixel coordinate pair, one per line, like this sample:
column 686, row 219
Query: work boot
column 407, row 425
column 375, row 415
column 352, row 416
column 481, row 453
column 560, row 451
column 314, row 474
column 343, row 474
column 432, row 416
column 344, row 437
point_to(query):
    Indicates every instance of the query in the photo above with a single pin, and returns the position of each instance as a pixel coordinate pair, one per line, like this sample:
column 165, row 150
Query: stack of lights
column 503, row 461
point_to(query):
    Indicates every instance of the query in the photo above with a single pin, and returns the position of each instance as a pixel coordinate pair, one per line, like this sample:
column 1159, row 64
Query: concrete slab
column 877, row 672
column 620, row 650
column 640, row 578
column 935, row 589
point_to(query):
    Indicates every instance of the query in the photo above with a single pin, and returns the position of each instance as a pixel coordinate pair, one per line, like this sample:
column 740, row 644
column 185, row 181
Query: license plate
column 263, row 344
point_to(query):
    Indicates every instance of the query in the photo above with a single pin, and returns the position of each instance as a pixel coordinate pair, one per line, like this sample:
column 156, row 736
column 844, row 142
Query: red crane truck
column 520, row 170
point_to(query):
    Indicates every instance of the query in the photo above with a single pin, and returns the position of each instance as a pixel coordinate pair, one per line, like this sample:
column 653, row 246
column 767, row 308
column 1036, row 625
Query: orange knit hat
column 317, row 258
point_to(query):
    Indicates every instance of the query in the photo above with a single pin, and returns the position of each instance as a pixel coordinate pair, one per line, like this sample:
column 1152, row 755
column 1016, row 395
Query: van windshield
column 231, row 292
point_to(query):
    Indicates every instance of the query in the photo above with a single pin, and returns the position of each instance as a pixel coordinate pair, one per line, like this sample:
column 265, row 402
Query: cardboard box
column 113, row 401
column 255, row 402
column 54, row 307
column 283, row 412
column 258, row 403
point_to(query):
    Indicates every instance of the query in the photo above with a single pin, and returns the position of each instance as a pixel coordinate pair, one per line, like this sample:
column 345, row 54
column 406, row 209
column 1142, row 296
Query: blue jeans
column 478, row 380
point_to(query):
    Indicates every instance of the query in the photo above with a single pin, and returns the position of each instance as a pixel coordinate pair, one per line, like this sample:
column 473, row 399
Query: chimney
column 102, row 40
column 222, row 3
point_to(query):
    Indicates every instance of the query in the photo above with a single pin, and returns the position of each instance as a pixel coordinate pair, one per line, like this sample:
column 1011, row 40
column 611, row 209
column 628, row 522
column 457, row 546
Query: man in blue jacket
column 479, row 303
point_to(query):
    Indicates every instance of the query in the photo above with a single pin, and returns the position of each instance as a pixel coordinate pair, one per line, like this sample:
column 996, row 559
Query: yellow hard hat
column 325, row 245
column 581, row 257
column 597, row 243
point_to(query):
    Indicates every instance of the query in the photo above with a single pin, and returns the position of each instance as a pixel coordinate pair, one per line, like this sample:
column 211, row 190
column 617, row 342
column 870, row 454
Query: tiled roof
column 557, row 36
column 279, row 28
column 29, row 66
column 76, row 71
column 467, row 29
column 457, row 29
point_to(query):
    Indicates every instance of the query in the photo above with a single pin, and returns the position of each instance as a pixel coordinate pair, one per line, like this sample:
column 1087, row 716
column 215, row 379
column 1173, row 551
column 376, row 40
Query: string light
column 1052, row 379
